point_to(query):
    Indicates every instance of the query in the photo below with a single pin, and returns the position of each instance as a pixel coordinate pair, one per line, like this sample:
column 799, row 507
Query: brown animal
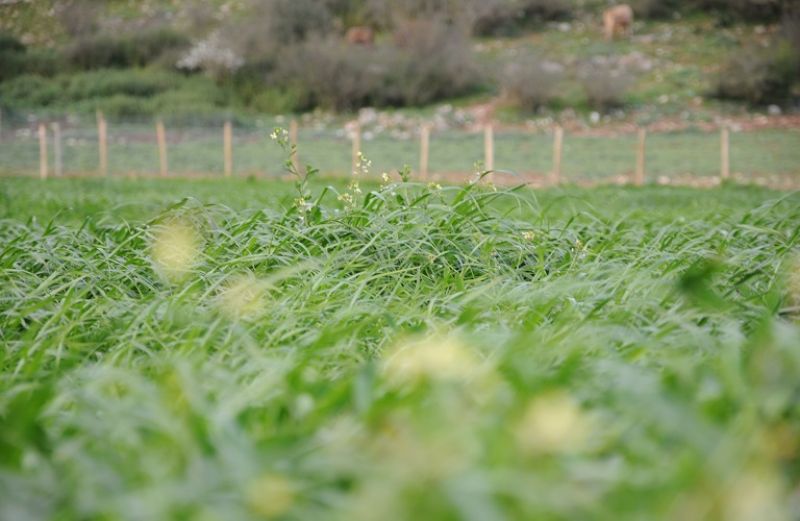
column 360, row 35
column 617, row 20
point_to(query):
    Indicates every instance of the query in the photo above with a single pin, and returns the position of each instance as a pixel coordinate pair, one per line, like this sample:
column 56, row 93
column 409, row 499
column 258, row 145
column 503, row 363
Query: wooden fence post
column 640, row 157
column 488, row 147
column 424, row 150
column 102, row 140
column 558, row 150
column 162, row 147
column 293, row 131
column 227, row 143
column 356, row 146
column 58, row 161
column 42, row 151
column 725, row 153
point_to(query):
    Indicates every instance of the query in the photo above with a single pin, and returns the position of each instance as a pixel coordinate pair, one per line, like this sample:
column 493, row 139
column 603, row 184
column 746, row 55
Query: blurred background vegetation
column 203, row 58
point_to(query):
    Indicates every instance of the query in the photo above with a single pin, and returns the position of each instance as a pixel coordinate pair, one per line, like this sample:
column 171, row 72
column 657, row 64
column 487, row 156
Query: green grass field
column 216, row 350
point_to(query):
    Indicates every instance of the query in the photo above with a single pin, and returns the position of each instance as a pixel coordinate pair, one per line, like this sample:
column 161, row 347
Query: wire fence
column 132, row 149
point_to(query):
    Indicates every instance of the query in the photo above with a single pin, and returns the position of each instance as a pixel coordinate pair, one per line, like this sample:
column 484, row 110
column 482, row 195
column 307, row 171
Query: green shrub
column 31, row 91
column 657, row 9
column 604, row 82
column 130, row 50
column 726, row 11
column 118, row 92
column 758, row 75
column 131, row 82
column 10, row 44
column 275, row 100
column 12, row 64
column 531, row 82
column 482, row 17
column 747, row 10
column 436, row 63
column 119, row 106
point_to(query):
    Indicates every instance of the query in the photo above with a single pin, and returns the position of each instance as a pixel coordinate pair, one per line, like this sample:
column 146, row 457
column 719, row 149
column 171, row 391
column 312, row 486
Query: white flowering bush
column 212, row 55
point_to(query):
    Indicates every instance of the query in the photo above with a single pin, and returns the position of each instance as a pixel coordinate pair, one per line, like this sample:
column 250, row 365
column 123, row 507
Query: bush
column 16, row 59
column 12, row 57
column 121, row 93
column 544, row 10
column 331, row 74
column 758, row 75
column 657, row 9
column 434, row 62
column 31, row 91
column 482, row 17
column 10, row 44
column 133, row 50
column 727, row 11
column 79, row 18
column 748, row 10
column 267, row 26
column 389, row 14
column 276, row 101
column 438, row 63
column 107, row 83
column 119, row 106
column 605, row 82
column 531, row 82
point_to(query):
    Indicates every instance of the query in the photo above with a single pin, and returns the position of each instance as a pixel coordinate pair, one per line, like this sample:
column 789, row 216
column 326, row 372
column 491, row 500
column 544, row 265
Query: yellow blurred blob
column 242, row 297
column 175, row 249
column 553, row 423
column 755, row 497
column 270, row 496
column 793, row 281
column 433, row 358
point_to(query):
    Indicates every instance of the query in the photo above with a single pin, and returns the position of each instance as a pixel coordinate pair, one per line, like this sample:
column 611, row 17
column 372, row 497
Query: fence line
column 161, row 136
column 488, row 147
column 645, row 162
column 640, row 157
column 725, row 159
column 58, row 156
column 42, row 151
column 102, row 138
column 424, row 150
column 558, row 150
column 227, row 140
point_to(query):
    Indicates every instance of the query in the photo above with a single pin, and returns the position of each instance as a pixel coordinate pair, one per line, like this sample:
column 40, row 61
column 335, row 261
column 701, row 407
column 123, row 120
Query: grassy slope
column 685, row 54
column 611, row 354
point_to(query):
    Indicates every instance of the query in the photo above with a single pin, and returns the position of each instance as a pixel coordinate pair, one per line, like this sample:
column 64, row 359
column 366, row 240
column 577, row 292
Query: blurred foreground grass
column 220, row 350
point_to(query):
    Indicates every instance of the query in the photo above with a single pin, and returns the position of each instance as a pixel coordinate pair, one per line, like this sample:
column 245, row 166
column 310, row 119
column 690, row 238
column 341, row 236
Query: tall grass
column 402, row 351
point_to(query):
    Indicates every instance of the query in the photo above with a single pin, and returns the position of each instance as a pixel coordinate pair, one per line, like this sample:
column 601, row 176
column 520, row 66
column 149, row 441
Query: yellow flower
column 755, row 497
column 793, row 281
column 270, row 496
column 175, row 249
column 434, row 358
column 242, row 297
column 553, row 423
